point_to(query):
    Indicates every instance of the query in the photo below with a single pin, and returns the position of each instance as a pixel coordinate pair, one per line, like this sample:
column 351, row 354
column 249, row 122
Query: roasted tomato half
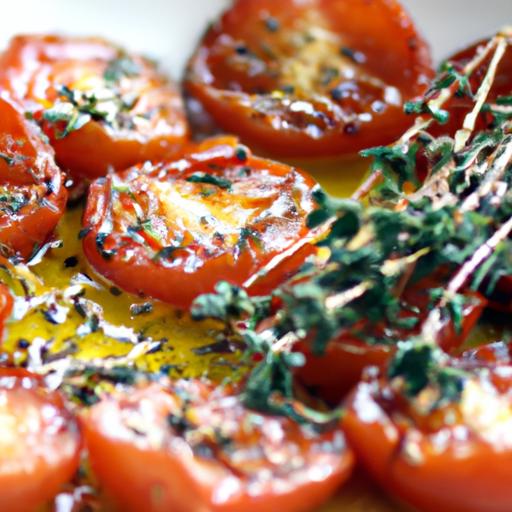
column 173, row 230
column 32, row 193
column 100, row 106
column 194, row 447
column 448, row 449
column 335, row 373
column 310, row 79
column 39, row 442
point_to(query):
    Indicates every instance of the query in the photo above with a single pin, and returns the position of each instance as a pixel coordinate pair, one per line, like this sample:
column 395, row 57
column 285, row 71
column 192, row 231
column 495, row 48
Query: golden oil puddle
column 63, row 309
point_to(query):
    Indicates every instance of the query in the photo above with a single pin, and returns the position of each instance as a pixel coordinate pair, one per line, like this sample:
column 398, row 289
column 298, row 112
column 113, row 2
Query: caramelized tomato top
column 174, row 229
column 92, row 96
column 483, row 411
column 314, row 78
column 225, row 456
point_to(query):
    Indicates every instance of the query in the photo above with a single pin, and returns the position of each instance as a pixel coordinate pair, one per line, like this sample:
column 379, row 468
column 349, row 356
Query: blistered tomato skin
column 173, row 230
column 439, row 459
column 100, row 106
column 32, row 192
column 194, row 447
column 39, row 442
column 310, row 79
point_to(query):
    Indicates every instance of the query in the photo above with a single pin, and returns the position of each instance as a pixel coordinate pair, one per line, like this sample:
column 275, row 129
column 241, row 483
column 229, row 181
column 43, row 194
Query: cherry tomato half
column 447, row 458
column 335, row 373
column 39, row 442
column 174, row 229
column 310, row 79
column 32, row 193
column 195, row 447
column 100, row 106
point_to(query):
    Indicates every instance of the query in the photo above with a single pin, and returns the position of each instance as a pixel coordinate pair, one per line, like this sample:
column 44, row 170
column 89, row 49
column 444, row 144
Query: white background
column 168, row 29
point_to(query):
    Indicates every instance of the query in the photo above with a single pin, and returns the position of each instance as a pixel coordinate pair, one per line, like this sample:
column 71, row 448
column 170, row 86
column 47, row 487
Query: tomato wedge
column 101, row 106
column 440, row 458
column 194, row 447
column 39, row 442
column 310, row 79
column 32, row 193
column 173, row 230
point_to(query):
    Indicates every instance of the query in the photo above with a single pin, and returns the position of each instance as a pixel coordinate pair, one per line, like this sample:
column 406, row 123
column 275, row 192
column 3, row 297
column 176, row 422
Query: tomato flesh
column 310, row 79
column 100, row 106
column 443, row 459
column 39, row 442
column 173, row 230
column 195, row 447
column 32, row 192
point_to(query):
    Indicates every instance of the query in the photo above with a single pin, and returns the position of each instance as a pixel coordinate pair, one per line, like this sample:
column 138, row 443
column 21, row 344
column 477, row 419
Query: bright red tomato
column 439, row 458
column 194, row 447
column 313, row 78
column 100, row 106
column 32, row 193
column 39, row 442
column 173, row 230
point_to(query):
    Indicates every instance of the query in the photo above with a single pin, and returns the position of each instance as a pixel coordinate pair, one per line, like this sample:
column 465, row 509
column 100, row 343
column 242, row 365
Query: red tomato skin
column 468, row 475
column 402, row 60
column 33, row 67
column 51, row 456
column 34, row 174
column 180, row 482
column 178, row 286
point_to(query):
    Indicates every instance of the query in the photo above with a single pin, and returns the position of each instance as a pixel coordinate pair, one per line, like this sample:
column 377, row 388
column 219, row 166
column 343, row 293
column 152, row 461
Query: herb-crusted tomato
column 310, row 79
column 32, row 192
column 449, row 447
column 100, row 106
column 194, row 447
column 173, row 230
column 39, row 442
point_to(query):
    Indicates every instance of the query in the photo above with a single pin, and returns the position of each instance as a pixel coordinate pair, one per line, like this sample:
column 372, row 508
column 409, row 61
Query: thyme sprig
column 454, row 225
